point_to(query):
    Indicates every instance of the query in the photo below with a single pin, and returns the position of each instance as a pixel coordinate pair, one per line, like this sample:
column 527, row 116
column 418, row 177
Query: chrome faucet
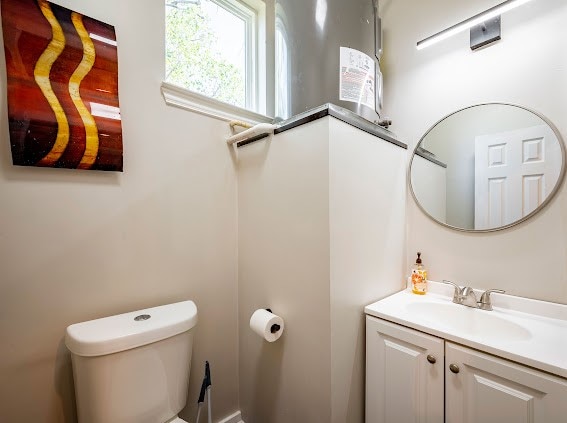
column 458, row 291
column 485, row 303
column 467, row 297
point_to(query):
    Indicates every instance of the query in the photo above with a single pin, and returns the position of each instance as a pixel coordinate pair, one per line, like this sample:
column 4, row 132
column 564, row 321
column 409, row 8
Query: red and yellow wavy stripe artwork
column 62, row 70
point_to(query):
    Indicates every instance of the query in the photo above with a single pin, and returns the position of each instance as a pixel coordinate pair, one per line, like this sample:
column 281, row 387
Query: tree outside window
column 206, row 49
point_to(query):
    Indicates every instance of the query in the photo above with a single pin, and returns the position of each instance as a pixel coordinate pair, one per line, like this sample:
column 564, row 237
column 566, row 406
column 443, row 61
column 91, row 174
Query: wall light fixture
column 487, row 23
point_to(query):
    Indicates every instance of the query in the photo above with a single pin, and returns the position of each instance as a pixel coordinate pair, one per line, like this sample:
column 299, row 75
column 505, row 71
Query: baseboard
column 233, row 418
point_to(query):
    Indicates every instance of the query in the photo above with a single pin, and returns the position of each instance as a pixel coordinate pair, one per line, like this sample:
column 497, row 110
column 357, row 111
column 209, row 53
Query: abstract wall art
column 62, row 71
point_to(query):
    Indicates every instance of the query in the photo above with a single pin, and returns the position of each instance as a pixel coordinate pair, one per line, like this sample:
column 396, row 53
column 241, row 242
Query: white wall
column 527, row 67
column 283, row 224
column 77, row 245
column 321, row 235
column 367, row 226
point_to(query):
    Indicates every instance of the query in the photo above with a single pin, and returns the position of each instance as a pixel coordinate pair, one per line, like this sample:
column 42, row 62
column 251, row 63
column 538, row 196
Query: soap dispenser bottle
column 418, row 277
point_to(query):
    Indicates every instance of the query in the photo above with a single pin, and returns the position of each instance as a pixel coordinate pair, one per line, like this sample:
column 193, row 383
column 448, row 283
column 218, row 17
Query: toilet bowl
column 133, row 367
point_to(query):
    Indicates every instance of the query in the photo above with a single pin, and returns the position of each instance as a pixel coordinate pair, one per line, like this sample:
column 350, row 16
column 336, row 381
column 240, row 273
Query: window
column 212, row 49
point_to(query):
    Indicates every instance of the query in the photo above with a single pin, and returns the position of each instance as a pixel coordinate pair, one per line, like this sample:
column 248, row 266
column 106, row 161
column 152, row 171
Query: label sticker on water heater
column 357, row 77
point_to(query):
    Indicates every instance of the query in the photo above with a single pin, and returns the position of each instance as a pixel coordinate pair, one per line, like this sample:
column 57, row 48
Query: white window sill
column 198, row 103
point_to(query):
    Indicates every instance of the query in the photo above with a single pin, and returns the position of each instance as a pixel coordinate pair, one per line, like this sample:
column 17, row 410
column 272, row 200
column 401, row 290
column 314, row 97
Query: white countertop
column 537, row 335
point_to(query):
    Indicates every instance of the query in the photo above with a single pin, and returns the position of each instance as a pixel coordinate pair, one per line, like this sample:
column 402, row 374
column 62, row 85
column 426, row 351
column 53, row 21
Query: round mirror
column 487, row 167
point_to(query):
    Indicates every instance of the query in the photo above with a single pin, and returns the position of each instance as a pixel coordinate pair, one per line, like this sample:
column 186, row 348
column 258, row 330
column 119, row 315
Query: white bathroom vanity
column 431, row 360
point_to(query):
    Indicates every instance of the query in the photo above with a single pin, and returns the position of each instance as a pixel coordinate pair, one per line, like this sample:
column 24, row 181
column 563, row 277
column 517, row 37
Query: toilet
column 133, row 367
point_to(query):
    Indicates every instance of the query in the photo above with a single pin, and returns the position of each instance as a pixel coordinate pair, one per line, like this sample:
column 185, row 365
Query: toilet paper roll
column 268, row 325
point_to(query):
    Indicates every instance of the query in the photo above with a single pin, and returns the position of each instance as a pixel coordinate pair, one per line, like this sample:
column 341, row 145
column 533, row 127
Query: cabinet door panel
column 488, row 389
column 402, row 386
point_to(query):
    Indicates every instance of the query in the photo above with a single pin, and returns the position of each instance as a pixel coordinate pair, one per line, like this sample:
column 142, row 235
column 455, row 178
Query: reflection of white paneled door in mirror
column 512, row 170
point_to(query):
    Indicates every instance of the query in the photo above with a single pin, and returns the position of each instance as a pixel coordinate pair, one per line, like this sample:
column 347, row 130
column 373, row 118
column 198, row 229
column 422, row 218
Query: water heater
column 328, row 51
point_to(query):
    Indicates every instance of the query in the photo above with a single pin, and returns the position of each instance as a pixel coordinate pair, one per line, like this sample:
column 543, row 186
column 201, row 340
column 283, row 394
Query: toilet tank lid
column 130, row 330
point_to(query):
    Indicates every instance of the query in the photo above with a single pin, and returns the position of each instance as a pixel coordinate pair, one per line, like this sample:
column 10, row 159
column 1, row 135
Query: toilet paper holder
column 274, row 328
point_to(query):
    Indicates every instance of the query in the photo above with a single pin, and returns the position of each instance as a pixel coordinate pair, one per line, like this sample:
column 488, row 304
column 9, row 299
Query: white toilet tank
column 133, row 367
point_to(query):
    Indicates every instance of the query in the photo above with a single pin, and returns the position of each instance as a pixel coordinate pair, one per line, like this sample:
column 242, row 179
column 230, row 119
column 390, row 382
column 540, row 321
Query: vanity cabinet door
column 404, row 374
column 486, row 389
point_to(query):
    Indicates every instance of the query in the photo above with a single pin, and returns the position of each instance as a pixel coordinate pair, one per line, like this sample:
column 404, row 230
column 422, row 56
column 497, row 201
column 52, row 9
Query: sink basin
column 524, row 330
column 468, row 321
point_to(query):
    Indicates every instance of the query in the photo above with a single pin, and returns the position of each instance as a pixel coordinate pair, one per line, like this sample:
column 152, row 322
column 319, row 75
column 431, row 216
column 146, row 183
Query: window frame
column 250, row 18
column 253, row 13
